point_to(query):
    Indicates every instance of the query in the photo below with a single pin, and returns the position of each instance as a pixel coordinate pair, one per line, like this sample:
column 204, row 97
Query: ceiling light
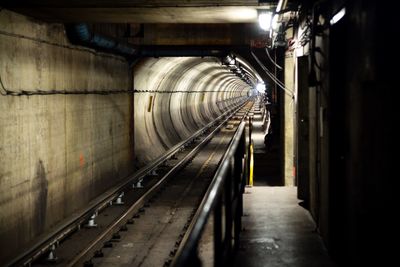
column 264, row 20
column 281, row 5
column 338, row 16
column 274, row 23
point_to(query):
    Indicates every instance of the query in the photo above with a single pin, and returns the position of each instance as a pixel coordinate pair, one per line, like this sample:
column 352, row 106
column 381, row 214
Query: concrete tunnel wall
column 58, row 152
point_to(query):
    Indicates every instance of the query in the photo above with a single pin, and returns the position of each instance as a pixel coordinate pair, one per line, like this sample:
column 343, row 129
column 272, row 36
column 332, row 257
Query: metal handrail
column 143, row 199
column 188, row 246
column 103, row 201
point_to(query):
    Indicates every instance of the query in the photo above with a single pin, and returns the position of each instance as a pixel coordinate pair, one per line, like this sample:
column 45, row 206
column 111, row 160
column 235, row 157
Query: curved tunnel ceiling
column 175, row 96
column 185, row 70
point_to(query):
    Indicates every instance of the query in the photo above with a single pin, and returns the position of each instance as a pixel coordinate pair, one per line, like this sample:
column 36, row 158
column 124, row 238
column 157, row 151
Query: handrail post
column 240, row 182
column 248, row 151
column 218, row 233
column 223, row 198
column 228, row 211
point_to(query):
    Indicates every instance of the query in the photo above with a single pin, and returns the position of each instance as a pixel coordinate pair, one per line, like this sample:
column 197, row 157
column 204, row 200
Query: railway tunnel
column 197, row 133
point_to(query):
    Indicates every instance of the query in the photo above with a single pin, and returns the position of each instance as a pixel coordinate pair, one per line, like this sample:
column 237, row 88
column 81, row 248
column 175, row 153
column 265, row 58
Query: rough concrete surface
column 278, row 232
column 59, row 151
column 289, row 122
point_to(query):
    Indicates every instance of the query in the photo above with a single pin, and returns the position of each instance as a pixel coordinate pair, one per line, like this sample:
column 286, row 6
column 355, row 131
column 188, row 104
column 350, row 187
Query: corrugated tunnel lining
column 188, row 93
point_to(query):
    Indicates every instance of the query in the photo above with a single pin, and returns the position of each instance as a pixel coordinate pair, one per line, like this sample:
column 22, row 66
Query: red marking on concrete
column 81, row 160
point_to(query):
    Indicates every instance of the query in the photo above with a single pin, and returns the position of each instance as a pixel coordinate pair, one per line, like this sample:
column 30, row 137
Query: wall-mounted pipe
column 80, row 34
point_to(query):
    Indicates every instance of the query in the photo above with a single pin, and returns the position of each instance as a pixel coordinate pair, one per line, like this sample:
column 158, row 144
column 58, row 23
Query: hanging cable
column 70, row 47
column 274, row 79
column 273, row 62
column 271, row 75
column 5, row 92
column 180, row 91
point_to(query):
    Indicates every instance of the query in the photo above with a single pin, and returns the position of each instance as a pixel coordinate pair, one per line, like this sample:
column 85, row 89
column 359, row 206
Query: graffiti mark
column 81, row 160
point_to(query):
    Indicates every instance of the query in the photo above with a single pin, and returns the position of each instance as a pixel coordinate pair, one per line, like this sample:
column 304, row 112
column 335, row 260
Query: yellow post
column 251, row 165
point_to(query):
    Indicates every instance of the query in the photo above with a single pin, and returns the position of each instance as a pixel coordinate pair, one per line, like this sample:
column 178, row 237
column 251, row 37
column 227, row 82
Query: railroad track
column 143, row 221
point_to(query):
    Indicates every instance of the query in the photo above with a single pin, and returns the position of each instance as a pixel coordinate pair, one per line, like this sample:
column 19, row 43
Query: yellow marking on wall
column 150, row 104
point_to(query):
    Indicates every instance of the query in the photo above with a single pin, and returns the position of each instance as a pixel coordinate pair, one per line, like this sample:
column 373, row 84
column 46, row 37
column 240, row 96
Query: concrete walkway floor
column 278, row 232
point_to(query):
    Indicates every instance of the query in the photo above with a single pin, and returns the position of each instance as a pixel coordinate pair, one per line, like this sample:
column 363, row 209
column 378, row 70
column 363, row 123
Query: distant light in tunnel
column 338, row 16
column 264, row 20
column 261, row 88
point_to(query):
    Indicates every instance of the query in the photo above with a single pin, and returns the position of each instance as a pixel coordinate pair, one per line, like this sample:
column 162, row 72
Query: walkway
column 278, row 232
column 266, row 163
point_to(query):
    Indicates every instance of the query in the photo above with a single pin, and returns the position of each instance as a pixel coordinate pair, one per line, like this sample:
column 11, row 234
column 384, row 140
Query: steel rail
column 97, row 244
column 96, row 205
column 200, row 219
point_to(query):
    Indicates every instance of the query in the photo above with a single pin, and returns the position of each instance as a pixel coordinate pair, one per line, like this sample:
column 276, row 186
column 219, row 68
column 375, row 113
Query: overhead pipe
column 80, row 34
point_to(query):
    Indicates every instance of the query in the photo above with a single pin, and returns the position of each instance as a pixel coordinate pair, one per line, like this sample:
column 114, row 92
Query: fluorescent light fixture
column 242, row 62
column 274, row 23
column 280, row 5
column 264, row 19
column 230, row 61
column 338, row 16
column 260, row 87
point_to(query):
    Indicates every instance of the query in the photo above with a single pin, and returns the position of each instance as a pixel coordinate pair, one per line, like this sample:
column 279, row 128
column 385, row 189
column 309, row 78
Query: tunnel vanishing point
column 94, row 93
